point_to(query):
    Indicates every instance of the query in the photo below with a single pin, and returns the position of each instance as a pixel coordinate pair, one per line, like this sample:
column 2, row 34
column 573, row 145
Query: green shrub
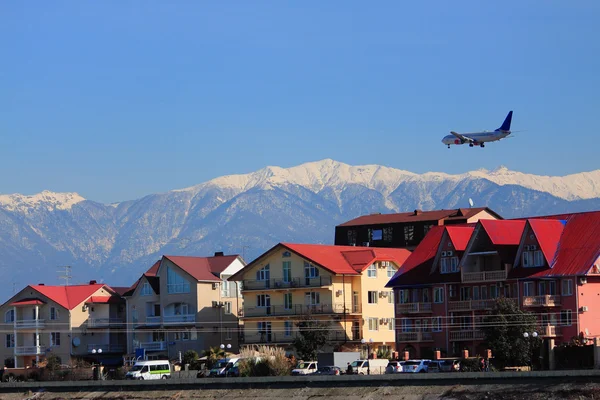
column 470, row 365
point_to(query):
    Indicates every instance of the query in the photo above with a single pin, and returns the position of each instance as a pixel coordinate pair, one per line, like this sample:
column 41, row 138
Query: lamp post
column 531, row 335
column 222, row 346
column 369, row 343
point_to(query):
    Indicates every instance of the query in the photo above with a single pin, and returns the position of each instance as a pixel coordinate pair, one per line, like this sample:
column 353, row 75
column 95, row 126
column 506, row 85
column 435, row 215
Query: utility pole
column 66, row 274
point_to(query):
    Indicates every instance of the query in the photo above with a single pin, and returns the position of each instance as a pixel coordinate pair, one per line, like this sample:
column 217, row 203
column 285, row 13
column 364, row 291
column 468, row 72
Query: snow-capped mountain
column 247, row 214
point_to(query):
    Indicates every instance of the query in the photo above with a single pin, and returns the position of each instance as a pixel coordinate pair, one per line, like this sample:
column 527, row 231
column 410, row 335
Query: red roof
column 27, row 302
column 203, row 268
column 102, row 300
column 418, row 216
column 68, row 296
column 547, row 232
column 460, row 235
column 503, row 232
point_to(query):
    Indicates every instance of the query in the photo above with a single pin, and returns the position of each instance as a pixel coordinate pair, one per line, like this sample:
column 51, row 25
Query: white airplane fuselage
column 477, row 137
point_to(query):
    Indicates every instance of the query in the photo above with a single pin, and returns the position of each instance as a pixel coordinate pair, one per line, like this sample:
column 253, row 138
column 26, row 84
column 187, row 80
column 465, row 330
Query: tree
column 313, row 336
column 213, row 354
column 504, row 328
column 189, row 357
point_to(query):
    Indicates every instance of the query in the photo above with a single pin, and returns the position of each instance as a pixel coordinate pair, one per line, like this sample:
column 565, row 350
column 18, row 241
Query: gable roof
column 579, row 245
column 419, row 216
column 503, row 232
column 460, row 235
column 203, row 268
column 149, row 274
column 547, row 233
column 68, row 296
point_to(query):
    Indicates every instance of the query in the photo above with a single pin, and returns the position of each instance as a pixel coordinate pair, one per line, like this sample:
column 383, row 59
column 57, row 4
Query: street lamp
column 94, row 351
column 533, row 335
column 222, row 346
column 369, row 343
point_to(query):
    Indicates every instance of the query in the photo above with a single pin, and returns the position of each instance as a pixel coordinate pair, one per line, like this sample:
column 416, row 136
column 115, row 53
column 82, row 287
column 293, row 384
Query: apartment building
column 548, row 265
column 184, row 303
column 77, row 321
column 342, row 285
column 403, row 230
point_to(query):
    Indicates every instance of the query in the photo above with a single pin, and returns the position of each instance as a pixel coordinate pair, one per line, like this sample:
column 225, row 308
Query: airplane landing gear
column 482, row 145
column 470, row 144
column 448, row 146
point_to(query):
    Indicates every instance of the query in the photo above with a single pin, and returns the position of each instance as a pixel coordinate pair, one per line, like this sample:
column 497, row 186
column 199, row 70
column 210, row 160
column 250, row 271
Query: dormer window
column 448, row 263
column 146, row 290
column 372, row 271
column 532, row 257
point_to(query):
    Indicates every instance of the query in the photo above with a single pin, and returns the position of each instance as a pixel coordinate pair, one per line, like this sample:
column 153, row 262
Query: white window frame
column 288, row 326
column 538, row 258
column 391, row 297
column 444, row 265
column 286, row 270
column 53, row 314
column 438, row 295
column 227, row 307
column 288, row 301
column 454, row 264
column 9, row 342
column 9, row 316
column 261, row 300
column 436, row 324
column 54, row 339
column 568, row 317
column 373, row 324
column 527, row 259
column 372, row 296
column 528, row 288
column 176, row 283
column 392, row 324
column 312, row 298
column 390, row 270
column 372, row 271
column 566, row 287
column 264, row 273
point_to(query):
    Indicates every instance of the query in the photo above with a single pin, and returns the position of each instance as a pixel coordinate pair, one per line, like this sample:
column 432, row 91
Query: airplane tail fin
column 506, row 124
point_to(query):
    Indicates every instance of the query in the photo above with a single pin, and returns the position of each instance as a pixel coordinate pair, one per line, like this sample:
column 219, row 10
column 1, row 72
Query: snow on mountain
column 251, row 212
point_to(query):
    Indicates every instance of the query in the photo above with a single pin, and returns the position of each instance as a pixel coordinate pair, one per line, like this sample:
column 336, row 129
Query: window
column 390, row 270
column 475, row 292
column 372, row 297
column 373, row 324
column 493, row 291
column 454, row 264
column 392, row 324
column 552, row 288
column 287, row 301
column 403, row 296
column 465, row 293
column 178, row 309
column 436, row 324
column 409, row 233
column 176, row 283
column 286, row 254
column 541, row 288
column 9, row 316
column 426, row 229
column 146, row 290
column 425, row 294
column 567, row 287
column 182, row 336
column 351, row 237
column 388, row 234
column 54, row 339
column 527, row 259
column 372, row 271
column 134, row 315
column 425, row 325
column 287, row 271
column 287, row 328
column 391, row 297
column 312, row 298
column 263, row 273
column 10, row 340
column 538, row 258
column 406, row 325
column 310, row 271
column 227, row 307
column 444, row 265
column 228, row 333
column 565, row 317
column 263, row 300
column 376, row 234
column 438, row 295
column 226, row 288
column 54, row 313
column 484, row 295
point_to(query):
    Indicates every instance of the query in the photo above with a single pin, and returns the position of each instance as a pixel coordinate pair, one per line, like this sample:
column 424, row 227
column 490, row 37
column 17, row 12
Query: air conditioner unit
column 215, row 286
column 584, row 309
column 338, row 292
column 381, row 321
column 383, row 294
column 583, row 280
column 215, row 303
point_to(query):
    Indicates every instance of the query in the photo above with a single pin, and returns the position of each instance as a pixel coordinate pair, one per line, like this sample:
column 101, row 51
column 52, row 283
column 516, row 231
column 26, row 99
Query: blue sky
column 118, row 99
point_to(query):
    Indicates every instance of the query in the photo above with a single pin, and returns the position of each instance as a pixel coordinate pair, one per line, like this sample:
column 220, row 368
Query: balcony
column 30, row 324
column 487, row 276
column 541, row 301
column 413, row 308
column 153, row 320
column 153, row 346
column 549, row 331
column 414, row 337
column 299, row 309
column 471, row 305
column 105, row 322
column 180, row 319
column 29, row 350
column 105, row 348
column 278, row 284
column 473, row 334
column 280, row 337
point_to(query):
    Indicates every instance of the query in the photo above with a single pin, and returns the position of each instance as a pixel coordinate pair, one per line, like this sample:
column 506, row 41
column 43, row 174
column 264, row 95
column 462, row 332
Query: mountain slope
column 248, row 213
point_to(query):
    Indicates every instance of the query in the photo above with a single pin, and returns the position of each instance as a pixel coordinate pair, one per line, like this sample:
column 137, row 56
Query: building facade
column 403, row 230
column 184, row 303
column 340, row 285
column 548, row 266
column 77, row 321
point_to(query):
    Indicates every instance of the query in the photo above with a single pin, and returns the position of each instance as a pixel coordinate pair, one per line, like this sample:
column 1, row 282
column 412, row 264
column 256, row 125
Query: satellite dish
column 470, row 202
column 76, row 342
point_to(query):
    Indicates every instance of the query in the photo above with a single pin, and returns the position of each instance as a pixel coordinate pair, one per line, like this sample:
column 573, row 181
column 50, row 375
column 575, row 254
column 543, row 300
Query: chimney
column 219, row 254
column 40, row 284
column 418, row 212
column 92, row 282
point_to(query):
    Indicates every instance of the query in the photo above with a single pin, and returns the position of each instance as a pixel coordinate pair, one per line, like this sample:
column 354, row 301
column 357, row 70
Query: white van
column 145, row 370
column 305, row 368
column 371, row 366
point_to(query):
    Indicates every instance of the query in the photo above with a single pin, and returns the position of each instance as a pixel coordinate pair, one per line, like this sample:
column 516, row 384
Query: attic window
column 286, row 254
column 376, row 234
column 409, row 233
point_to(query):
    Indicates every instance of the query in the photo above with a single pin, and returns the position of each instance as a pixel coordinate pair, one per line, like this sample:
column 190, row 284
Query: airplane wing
column 463, row 138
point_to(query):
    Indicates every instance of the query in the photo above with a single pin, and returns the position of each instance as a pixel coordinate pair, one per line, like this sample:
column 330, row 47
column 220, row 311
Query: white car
column 147, row 370
column 416, row 366
column 394, row 367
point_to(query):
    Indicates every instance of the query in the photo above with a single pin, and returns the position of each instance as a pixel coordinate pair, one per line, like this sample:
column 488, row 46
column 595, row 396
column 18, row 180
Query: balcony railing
column 281, row 337
column 29, row 350
column 299, row 309
column 413, row 308
column 105, row 348
column 178, row 319
column 475, row 334
column 541, row 301
column 105, row 322
column 274, row 284
column 487, row 276
column 31, row 324
column 470, row 305
column 153, row 320
column 549, row 331
column 153, row 346
column 407, row 337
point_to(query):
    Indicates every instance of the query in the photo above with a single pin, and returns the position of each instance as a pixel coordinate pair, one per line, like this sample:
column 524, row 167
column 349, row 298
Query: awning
column 27, row 302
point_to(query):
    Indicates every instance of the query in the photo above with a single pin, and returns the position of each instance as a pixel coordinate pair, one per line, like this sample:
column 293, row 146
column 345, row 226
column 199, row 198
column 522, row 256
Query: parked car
column 416, row 366
column 370, row 366
column 328, row 370
column 394, row 367
column 305, row 368
column 450, row 365
column 146, row 370
column 435, row 366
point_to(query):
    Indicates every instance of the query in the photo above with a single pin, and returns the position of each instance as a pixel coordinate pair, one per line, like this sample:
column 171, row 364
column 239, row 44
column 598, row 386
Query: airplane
column 480, row 138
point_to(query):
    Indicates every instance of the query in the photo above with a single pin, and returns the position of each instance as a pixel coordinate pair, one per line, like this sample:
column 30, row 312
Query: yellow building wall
column 384, row 308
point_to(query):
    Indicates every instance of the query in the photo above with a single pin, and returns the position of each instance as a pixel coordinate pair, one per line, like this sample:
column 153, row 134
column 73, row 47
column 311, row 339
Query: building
column 77, row 321
column 403, row 230
column 550, row 266
column 342, row 285
column 184, row 303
